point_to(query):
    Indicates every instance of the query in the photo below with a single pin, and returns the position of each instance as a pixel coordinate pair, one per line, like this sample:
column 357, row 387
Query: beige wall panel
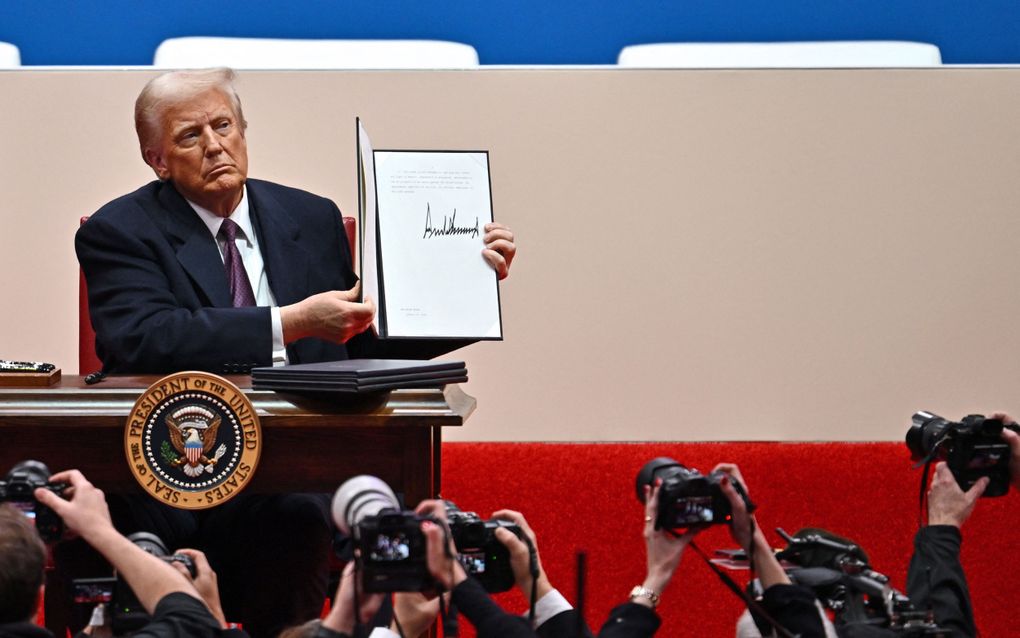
column 704, row 255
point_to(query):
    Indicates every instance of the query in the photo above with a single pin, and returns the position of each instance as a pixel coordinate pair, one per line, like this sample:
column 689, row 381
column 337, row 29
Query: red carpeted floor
column 581, row 497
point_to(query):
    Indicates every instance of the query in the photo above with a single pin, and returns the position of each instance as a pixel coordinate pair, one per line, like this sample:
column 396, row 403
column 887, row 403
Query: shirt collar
column 241, row 216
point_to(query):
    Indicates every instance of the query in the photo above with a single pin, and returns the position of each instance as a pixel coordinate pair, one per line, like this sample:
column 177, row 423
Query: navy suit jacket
column 158, row 292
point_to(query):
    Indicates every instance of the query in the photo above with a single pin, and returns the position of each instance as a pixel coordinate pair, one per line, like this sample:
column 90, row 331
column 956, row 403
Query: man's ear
column 157, row 162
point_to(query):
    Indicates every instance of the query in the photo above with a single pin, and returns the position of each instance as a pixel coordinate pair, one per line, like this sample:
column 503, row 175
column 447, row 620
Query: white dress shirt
column 248, row 247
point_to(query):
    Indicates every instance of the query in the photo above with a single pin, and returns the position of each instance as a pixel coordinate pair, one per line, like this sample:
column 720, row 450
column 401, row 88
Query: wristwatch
column 644, row 592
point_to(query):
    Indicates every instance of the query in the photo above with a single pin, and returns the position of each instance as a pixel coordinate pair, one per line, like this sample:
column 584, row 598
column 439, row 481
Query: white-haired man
column 208, row 269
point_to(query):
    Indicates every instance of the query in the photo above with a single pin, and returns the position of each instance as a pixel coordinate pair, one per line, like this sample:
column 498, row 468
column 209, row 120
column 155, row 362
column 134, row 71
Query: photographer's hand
column 947, row 503
column 86, row 512
column 343, row 616
column 441, row 554
column 415, row 613
column 205, row 581
column 520, row 555
column 747, row 533
column 663, row 548
column 1013, row 439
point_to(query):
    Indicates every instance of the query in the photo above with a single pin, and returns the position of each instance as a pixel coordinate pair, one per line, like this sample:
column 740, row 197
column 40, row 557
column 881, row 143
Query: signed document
column 432, row 207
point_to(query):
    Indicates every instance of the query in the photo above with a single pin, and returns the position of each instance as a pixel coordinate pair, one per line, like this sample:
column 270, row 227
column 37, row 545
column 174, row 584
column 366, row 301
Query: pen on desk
column 95, row 377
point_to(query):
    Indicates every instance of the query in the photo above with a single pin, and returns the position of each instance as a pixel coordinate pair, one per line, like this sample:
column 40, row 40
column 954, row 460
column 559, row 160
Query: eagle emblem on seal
column 192, row 432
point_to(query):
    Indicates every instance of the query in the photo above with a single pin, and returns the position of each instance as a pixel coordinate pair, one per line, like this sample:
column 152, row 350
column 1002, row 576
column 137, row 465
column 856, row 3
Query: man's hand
column 947, row 503
column 415, row 613
column 440, row 552
column 205, row 582
column 343, row 616
column 663, row 548
column 85, row 512
column 499, row 248
column 1013, row 439
column 334, row 316
column 520, row 554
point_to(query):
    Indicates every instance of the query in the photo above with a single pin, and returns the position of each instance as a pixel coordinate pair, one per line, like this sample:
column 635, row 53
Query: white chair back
column 10, row 57
column 267, row 53
column 781, row 55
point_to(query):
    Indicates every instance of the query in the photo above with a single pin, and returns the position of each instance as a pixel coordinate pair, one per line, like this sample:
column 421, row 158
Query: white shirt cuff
column 383, row 632
column 548, row 606
column 279, row 347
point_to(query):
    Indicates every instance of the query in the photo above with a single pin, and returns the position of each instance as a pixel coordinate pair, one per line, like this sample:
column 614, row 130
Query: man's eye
column 225, row 124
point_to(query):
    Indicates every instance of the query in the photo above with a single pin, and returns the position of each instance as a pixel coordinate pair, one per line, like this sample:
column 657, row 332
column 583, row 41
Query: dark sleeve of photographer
column 791, row 606
column 935, row 579
column 663, row 550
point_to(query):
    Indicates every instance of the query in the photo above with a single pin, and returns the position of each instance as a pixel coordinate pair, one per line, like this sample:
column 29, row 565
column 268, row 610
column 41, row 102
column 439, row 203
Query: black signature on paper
column 449, row 227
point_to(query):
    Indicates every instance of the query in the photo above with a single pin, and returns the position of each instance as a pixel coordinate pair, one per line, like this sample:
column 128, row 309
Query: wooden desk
column 308, row 445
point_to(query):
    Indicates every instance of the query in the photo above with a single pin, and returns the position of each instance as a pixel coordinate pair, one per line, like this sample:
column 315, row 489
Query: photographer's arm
column 467, row 594
column 748, row 534
column 935, row 578
column 554, row 616
column 206, row 582
column 791, row 606
column 150, row 578
column 663, row 551
column 344, row 616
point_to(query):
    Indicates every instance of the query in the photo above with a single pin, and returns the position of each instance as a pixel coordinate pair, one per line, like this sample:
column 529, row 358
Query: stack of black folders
column 358, row 376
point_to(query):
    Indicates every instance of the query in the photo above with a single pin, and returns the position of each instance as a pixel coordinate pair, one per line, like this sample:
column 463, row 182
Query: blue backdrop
column 510, row 31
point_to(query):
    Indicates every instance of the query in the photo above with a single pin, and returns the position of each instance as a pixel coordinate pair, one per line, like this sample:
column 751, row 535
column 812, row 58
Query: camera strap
column 922, row 494
column 751, row 603
column 533, row 569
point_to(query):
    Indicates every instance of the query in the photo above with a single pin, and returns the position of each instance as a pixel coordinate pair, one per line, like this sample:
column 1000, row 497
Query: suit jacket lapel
column 196, row 249
column 287, row 265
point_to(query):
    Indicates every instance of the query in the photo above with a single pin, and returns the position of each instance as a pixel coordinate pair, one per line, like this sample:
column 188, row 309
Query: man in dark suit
column 207, row 269
column 157, row 261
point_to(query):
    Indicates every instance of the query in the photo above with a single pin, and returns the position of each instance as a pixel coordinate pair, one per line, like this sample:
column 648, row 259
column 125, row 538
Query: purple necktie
column 240, row 286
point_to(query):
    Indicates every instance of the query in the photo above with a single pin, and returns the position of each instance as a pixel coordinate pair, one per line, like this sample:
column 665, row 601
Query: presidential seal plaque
column 193, row 440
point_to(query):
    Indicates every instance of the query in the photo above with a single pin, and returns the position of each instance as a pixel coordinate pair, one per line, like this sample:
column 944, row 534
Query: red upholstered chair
column 88, row 360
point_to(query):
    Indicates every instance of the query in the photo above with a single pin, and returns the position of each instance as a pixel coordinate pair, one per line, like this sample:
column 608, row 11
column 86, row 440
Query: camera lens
column 359, row 497
column 661, row 467
column 925, row 431
column 33, row 472
column 149, row 542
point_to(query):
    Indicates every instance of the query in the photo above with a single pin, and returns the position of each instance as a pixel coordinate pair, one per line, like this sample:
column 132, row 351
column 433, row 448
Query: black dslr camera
column 18, row 488
column 126, row 613
column 390, row 551
column 479, row 551
column 972, row 448
column 389, row 546
column 687, row 497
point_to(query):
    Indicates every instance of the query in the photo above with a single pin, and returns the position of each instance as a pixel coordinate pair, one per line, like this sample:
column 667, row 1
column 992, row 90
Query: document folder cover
column 359, row 375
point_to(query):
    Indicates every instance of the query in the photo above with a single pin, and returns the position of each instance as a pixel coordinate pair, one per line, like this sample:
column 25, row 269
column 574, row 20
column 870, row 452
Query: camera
column 837, row 570
column 971, row 448
column 687, row 497
column 126, row 613
column 479, row 551
column 18, row 488
column 389, row 547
